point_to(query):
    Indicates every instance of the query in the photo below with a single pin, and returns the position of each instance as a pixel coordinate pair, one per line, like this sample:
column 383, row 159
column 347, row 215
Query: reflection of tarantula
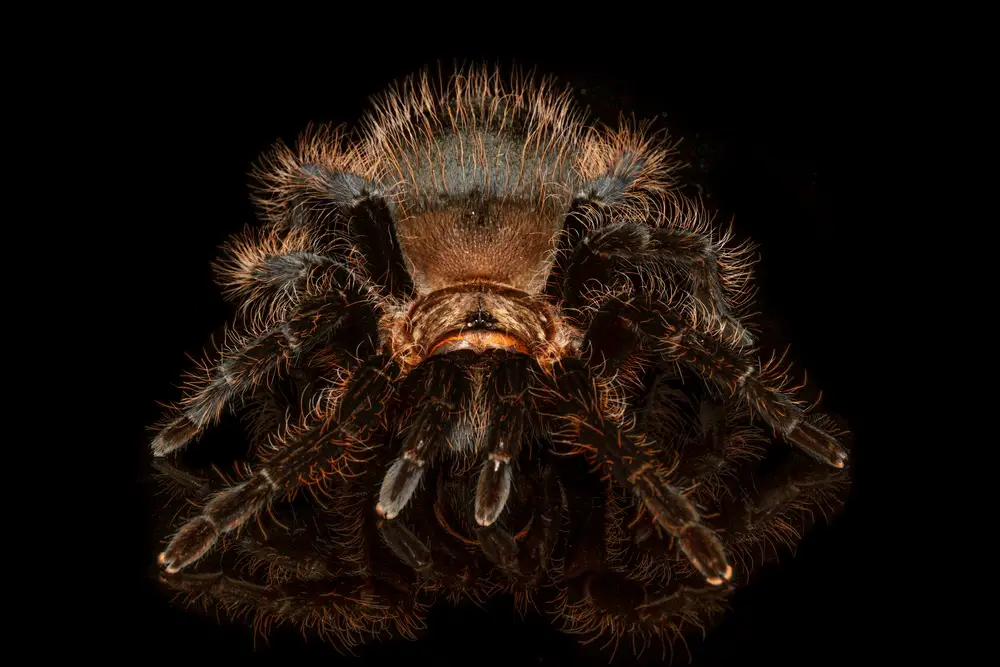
column 481, row 279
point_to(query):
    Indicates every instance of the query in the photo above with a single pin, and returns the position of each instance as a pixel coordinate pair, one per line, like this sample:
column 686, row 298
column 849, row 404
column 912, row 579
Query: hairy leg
column 325, row 445
column 713, row 276
column 347, row 611
column 508, row 425
column 247, row 365
column 577, row 405
column 313, row 187
column 300, row 542
column 599, row 600
column 763, row 387
column 442, row 390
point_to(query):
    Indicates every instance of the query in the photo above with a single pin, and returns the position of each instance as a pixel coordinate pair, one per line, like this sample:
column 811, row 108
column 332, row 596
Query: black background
column 766, row 131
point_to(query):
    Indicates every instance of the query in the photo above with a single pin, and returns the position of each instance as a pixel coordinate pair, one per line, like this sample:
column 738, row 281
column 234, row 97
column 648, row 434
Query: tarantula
column 479, row 277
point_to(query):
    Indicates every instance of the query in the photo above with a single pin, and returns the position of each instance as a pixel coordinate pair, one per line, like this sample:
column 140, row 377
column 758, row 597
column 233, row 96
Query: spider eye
column 480, row 319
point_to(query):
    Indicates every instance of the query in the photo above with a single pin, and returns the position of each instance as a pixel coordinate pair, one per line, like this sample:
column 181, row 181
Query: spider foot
column 441, row 389
column 700, row 544
column 493, row 490
column 407, row 546
column 704, row 550
column 173, row 436
column 399, row 483
column 674, row 513
column 192, row 542
column 506, row 431
column 818, row 443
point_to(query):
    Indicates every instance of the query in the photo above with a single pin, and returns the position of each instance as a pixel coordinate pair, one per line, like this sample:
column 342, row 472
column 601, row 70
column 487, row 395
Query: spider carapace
column 485, row 292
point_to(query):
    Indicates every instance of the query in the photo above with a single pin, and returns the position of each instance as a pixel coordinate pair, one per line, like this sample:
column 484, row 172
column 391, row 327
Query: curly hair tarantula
column 479, row 293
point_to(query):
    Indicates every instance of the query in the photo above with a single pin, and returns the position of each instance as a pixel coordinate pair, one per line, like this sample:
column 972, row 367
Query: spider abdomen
column 507, row 242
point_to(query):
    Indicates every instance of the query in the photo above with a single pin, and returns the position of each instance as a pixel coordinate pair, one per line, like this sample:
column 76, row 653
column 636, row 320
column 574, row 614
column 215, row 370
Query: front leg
column 713, row 275
column 584, row 425
column 319, row 449
column 762, row 386
column 249, row 363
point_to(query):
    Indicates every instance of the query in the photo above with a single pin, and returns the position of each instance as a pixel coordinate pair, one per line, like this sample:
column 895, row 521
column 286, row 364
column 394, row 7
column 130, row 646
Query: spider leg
column 634, row 466
column 442, row 560
column 447, row 390
column 267, row 271
column 524, row 556
column 314, row 187
column 317, row 450
column 246, row 367
column 507, row 427
column 597, row 599
column 713, row 270
column 306, row 544
column 733, row 368
column 779, row 500
column 715, row 441
column 348, row 610
column 603, row 602
column 759, row 498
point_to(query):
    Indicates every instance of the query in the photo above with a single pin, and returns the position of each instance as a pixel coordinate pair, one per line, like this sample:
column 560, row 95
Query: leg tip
column 168, row 566
column 726, row 575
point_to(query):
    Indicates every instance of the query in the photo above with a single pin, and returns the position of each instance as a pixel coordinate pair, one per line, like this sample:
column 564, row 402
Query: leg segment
column 712, row 270
column 633, row 466
column 304, row 544
column 601, row 599
column 313, row 187
column 506, row 430
column 779, row 499
column 603, row 603
column 447, row 390
column 317, row 450
column 734, row 370
column 243, row 370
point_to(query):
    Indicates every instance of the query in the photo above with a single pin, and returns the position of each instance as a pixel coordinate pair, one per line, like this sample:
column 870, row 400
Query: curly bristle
column 664, row 619
column 260, row 265
column 477, row 130
column 292, row 184
column 427, row 137
column 629, row 167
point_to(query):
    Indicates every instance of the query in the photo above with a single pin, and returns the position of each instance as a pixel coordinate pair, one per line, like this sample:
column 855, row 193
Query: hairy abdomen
column 483, row 239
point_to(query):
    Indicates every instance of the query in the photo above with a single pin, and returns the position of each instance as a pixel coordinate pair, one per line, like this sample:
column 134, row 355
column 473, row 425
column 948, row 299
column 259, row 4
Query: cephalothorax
column 479, row 277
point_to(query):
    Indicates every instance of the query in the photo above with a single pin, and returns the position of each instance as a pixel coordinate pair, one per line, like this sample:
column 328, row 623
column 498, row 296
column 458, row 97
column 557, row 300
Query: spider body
column 476, row 281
